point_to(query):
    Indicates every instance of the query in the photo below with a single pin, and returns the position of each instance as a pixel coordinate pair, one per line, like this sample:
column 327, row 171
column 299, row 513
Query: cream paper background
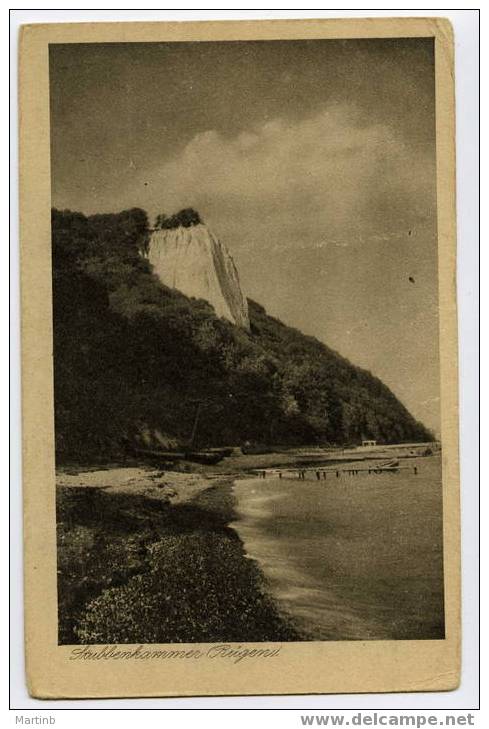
column 312, row 667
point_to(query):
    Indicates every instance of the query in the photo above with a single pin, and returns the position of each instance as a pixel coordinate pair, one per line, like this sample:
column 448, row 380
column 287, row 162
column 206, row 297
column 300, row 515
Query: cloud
column 326, row 218
column 326, row 175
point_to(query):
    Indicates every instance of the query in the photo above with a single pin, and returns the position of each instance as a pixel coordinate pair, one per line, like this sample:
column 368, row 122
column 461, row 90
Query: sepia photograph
column 245, row 341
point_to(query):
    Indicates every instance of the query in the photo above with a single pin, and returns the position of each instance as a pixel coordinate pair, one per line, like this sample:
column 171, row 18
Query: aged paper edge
column 300, row 668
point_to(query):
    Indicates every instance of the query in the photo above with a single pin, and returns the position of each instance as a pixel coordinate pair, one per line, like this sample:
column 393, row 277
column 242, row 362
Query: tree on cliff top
column 185, row 218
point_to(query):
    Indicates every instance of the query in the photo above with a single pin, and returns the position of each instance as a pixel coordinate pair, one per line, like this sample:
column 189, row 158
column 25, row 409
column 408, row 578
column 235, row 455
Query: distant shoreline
column 275, row 456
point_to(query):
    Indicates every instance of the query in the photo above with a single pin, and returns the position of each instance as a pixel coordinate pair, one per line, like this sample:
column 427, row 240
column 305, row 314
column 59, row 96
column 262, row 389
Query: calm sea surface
column 355, row 557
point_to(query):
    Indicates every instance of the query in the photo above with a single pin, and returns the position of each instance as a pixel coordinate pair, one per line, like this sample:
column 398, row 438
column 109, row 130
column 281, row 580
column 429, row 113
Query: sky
column 313, row 161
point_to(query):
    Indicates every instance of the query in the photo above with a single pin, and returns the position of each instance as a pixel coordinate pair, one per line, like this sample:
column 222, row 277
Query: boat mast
column 196, row 421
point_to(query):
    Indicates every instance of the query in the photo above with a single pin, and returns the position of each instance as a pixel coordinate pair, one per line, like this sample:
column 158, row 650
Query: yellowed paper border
column 298, row 668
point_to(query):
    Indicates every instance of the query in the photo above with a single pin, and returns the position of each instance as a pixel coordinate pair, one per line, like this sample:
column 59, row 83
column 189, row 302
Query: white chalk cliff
column 192, row 260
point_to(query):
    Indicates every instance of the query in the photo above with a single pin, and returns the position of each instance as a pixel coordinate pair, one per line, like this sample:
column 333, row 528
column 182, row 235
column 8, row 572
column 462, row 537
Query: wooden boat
column 225, row 451
column 208, row 457
column 186, row 451
column 392, row 463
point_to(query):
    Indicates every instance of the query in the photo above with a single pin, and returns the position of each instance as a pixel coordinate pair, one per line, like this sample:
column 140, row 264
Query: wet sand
column 356, row 557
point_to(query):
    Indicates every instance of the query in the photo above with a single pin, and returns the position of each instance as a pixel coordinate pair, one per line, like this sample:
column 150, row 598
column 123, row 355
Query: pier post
column 318, row 475
column 415, row 470
column 337, row 474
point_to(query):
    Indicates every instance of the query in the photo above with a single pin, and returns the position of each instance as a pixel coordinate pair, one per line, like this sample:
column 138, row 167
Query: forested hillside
column 130, row 353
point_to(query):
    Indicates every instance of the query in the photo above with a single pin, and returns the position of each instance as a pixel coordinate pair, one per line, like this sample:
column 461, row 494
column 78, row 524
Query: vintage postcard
column 240, row 428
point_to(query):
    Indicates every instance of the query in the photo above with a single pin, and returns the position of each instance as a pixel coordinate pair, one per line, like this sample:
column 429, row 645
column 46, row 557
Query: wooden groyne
column 323, row 473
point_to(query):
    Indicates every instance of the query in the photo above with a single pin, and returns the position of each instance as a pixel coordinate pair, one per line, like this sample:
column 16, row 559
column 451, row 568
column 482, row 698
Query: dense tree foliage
column 130, row 353
column 186, row 218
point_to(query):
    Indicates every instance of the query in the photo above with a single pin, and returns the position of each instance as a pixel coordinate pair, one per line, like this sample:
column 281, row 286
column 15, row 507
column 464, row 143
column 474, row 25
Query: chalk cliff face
column 192, row 260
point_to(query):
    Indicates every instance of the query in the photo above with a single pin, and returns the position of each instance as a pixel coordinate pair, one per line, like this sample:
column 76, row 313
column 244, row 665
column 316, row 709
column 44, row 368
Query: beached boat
column 208, row 457
column 391, row 465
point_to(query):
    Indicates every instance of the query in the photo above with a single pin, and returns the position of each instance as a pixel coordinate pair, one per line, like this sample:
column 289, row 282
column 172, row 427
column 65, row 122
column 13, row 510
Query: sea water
column 350, row 558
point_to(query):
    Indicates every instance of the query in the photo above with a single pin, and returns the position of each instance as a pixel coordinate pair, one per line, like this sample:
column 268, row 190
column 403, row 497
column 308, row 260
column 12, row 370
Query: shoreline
column 155, row 560
column 338, row 553
column 236, row 464
column 150, row 556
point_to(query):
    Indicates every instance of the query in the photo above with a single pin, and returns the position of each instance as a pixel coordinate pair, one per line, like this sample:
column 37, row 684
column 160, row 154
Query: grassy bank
column 138, row 565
